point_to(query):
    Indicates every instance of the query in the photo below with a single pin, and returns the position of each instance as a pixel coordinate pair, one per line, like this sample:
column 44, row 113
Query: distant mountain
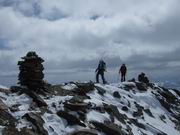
column 129, row 108
column 170, row 84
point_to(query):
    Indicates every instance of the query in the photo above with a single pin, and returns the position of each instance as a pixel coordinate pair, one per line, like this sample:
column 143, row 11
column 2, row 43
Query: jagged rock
column 100, row 90
column 139, row 111
column 116, row 94
column 129, row 86
column 137, row 114
column 85, row 132
column 113, row 110
column 5, row 117
column 162, row 117
column 11, row 130
column 37, row 121
column 151, row 85
column 141, row 86
column 135, row 122
column 58, row 90
column 31, row 71
column 6, row 91
column 82, row 115
column 165, row 104
column 170, row 98
column 108, row 128
column 14, row 108
column 161, row 134
column 33, row 106
column 132, row 80
column 78, row 98
column 124, row 108
column 129, row 130
column 83, row 88
column 148, row 112
column 36, row 98
column 177, row 92
column 176, row 121
column 77, row 106
column 71, row 119
column 129, row 104
column 99, row 109
column 3, row 106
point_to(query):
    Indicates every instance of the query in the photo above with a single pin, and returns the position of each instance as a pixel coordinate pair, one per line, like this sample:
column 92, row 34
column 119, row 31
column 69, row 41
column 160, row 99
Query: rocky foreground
column 130, row 108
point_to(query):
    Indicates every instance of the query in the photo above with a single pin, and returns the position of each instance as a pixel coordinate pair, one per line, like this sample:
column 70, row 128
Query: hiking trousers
column 102, row 76
column 123, row 77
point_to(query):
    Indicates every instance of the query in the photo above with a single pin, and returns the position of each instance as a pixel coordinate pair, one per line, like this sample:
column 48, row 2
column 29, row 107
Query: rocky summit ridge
column 129, row 108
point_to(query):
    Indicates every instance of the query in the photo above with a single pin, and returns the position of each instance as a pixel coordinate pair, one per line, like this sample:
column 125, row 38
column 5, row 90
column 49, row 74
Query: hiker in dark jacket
column 100, row 71
column 123, row 71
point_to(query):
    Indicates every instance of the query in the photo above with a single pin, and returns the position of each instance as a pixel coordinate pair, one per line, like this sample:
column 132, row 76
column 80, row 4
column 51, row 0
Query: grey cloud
column 73, row 36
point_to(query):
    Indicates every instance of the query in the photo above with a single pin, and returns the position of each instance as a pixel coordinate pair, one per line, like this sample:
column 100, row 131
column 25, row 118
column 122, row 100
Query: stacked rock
column 31, row 71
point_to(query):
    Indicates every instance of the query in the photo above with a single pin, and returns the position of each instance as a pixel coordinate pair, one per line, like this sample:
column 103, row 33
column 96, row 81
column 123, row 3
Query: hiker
column 123, row 71
column 100, row 71
column 143, row 78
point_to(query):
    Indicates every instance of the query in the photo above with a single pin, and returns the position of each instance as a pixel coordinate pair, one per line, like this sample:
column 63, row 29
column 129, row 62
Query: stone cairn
column 31, row 71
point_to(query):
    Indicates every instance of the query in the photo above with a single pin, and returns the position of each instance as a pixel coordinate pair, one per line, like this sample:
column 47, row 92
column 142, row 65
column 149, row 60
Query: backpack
column 102, row 65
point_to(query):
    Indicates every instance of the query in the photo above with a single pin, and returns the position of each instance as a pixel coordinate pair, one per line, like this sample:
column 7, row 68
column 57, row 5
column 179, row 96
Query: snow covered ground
column 161, row 120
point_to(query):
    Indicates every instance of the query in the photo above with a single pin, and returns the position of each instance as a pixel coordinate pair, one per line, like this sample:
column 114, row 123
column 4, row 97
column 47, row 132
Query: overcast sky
column 72, row 35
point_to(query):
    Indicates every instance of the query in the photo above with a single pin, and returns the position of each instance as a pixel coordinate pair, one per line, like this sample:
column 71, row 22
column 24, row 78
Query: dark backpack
column 102, row 65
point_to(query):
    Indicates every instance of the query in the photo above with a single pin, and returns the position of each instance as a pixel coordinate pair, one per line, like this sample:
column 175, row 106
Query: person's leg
column 97, row 77
column 121, row 77
column 103, row 79
column 124, row 77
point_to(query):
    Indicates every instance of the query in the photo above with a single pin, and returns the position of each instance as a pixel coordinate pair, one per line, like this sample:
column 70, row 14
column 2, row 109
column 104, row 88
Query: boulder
column 135, row 122
column 139, row 111
column 37, row 121
column 77, row 106
column 176, row 91
column 148, row 112
column 129, row 85
column 116, row 94
column 165, row 104
column 141, row 86
column 78, row 98
column 113, row 110
column 108, row 128
column 99, row 109
column 100, row 90
column 83, row 88
column 58, row 90
column 36, row 98
column 14, row 108
column 11, row 130
column 125, row 108
column 71, row 119
column 85, row 132
column 5, row 117
column 6, row 91
column 169, row 97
